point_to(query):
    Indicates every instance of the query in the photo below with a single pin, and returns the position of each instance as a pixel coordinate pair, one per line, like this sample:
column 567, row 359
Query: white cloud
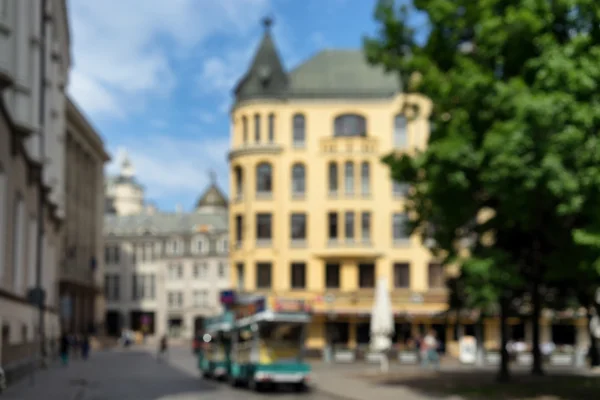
column 120, row 47
column 168, row 166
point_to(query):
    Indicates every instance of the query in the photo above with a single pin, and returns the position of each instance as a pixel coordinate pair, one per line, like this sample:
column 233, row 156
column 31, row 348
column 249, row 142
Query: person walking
column 85, row 346
column 163, row 348
column 431, row 345
column 65, row 343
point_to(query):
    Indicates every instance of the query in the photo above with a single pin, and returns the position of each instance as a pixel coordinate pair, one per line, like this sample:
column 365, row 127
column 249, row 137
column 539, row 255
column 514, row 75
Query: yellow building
column 314, row 213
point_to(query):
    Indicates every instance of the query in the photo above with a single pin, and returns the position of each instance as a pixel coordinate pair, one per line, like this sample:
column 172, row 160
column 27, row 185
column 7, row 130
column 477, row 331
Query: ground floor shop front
column 346, row 336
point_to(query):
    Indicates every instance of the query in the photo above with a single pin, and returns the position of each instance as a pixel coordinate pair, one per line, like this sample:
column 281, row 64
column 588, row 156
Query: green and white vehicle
column 215, row 351
column 267, row 343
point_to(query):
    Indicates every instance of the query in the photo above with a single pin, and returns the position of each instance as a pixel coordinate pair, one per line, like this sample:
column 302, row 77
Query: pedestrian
column 431, row 345
column 163, row 348
column 64, row 348
column 85, row 346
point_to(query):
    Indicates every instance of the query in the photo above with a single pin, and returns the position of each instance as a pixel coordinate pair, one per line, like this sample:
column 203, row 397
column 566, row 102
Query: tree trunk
column 479, row 338
column 504, row 373
column 537, row 368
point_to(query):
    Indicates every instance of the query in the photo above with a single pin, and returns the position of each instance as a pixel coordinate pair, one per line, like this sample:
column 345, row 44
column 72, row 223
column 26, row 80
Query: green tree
column 514, row 87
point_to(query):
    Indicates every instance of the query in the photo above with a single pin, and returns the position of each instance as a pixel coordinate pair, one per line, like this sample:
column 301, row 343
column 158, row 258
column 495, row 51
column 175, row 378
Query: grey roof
column 212, row 197
column 163, row 223
column 341, row 73
column 328, row 74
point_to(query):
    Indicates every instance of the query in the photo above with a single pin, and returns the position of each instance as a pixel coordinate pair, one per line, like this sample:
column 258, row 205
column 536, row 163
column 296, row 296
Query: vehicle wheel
column 205, row 375
column 254, row 386
column 300, row 387
column 233, row 381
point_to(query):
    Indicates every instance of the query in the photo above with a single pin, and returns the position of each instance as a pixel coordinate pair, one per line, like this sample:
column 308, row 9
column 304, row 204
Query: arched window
column 264, row 178
column 239, row 182
column 400, row 132
column 257, row 128
column 245, row 129
column 298, row 179
column 349, row 177
column 350, row 125
column 299, row 130
column 271, row 128
column 365, row 178
column 333, row 178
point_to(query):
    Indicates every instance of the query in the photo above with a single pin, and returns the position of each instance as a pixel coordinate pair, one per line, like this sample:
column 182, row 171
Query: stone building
column 32, row 185
column 81, row 270
column 163, row 270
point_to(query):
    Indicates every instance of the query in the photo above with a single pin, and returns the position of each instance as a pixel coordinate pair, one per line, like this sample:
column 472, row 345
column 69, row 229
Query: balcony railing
column 350, row 145
column 254, row 148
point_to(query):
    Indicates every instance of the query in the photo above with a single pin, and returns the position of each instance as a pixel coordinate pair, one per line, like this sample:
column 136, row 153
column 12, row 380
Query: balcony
column 350, row 145
column 254, row 148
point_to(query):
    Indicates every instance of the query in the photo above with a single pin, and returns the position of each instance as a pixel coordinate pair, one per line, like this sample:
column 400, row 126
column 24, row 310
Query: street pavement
column 135, row 374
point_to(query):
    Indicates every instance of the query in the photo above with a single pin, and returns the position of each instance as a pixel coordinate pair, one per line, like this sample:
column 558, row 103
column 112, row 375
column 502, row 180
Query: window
column 366, row 276
column 239, row 229
column 143, row 287
column 349, row 225
column 175, row 299
column 298, row 227
column 400, row 189
column 245, row 129
column 264, row 178
column 399, row 228
column 149, row 255
column 365, row 227
column 175, row 271
column 298, row 179
column 196, row 270
column 200, row 245
column 333, row 178
column 257, row 128
column 436, row 276
column 350, row 125
column 239, row 267
column 18, row 243
column 299, row 130
column 175, row 247
column 221, row 269
column 332, row 220
column 32, row 252
column 263, row 275
column 332, row 276
column 349, row 177
column 200, row 298
column 263, row 227
column 239, row 182
column 223, row 248
column 152, row 283
column 3, row 237
column 112, row 288
column 400, row 132
column 133, row 254
column 271, row 128
column 157, row 250
column 298, row 275
column 365, row 179
column 401, row 275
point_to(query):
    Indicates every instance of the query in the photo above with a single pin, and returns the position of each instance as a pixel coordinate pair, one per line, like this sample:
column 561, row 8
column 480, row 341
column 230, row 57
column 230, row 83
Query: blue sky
column 155, row 76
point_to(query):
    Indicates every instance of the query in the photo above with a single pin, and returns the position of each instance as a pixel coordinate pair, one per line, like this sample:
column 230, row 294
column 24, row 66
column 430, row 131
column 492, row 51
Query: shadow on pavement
column 130, row 374
column 477, row 385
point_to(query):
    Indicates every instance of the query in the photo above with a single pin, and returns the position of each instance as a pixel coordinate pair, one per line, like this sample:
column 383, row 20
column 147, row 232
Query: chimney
column 178, row 208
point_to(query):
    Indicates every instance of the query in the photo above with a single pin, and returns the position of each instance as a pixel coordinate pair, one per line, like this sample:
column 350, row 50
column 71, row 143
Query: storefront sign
column 246, row 310
column 467, row 350
column 227, row 297
column 290, row 305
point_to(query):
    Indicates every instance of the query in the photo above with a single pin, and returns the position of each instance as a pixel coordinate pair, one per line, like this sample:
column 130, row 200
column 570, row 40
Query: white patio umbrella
column 382, row 322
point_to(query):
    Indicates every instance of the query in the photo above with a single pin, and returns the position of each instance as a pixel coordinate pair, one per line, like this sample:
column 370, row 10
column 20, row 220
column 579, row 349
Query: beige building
column 315, row 215
column 163, row 270
column 31, row 170
column 81, row 269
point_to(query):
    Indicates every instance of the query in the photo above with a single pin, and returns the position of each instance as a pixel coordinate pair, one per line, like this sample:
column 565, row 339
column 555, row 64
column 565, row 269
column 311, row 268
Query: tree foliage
column 516, row 115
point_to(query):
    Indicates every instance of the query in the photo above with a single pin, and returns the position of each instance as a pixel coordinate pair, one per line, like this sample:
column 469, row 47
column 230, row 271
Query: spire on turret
column 266, row 77
column 127, row 169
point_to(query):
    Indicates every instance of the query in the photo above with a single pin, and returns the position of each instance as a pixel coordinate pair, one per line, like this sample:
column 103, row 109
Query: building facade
column 81, row 274
column 163, row 270
column 31, row 171
column 314, row 213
